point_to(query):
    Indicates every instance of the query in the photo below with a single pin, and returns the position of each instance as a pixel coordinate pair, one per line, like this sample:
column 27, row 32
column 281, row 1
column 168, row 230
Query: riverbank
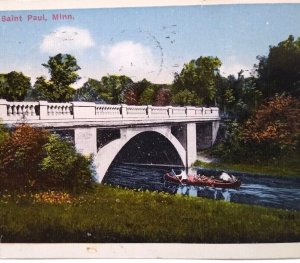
column 110, row 214
column 284, row 167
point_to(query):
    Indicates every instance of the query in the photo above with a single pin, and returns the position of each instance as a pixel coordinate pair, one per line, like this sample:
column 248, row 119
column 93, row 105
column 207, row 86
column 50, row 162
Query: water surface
column 271, row 191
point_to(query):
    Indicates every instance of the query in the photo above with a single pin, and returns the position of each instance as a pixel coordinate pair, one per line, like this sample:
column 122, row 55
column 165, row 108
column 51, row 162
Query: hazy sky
column 150, row 43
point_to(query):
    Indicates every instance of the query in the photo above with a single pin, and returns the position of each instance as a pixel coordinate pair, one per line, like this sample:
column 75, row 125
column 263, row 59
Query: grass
column 284, row 167
column 110, row 214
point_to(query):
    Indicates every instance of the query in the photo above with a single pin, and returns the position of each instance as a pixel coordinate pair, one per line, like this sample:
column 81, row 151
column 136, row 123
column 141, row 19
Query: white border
column 150, row 251
column 141, row 251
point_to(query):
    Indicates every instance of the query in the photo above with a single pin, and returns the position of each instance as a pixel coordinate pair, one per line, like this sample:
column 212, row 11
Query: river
column 271, row 191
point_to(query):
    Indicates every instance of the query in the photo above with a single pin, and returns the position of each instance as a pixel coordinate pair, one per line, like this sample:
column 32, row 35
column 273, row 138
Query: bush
column 231, row 148
column 270, row 134
column 3, row 133
column 31, row 159
column 63, row 168
column 274, row 129
column 20, row 155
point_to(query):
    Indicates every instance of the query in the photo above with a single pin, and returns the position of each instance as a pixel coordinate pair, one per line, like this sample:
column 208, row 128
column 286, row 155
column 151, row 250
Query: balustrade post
column 170, row 111
column 215, row 111
column 149, row 110
column 123, row 110
column 3, row 109
column 43, row 109
column 84, row 110
column 190, row 111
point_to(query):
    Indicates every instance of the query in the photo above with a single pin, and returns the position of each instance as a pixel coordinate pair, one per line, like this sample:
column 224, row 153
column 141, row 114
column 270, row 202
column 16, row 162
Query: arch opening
column 149, row 148
column 146, row 148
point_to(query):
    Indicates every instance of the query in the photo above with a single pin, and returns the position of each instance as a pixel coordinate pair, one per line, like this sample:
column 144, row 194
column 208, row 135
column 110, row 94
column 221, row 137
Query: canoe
column 202, row 180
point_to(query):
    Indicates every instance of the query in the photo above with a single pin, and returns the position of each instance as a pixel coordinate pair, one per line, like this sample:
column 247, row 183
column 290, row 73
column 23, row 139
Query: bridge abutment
column 215, row 128
column 86, row 140
column 191, row 143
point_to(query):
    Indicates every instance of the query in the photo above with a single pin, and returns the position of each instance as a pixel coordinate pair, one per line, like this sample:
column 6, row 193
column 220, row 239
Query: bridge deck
column 72, row 114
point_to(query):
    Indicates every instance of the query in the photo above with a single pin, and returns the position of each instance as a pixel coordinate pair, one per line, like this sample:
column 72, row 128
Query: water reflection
column 210, row 192
column 267, row 191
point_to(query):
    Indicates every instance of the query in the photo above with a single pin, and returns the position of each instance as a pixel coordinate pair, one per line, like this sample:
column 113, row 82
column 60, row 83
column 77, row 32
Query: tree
column 225, row 95
column 14, row 86
column 163, row 96
column 90, row 91
column 113, row 87
column 276, row 121
column 148, row 95
column 186, row 97
column 278, row 72
column 271, row 133
column 63, row 72
column 139, row 93
column 196, row 83
column 239, row 97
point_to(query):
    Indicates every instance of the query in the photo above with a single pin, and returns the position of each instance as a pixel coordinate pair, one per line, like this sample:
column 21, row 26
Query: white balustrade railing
column 107, row 111
column 158, row 112
column 60, row 110
column 136, row 111
column 21, row 110
column 178, row 111
column 43, row 110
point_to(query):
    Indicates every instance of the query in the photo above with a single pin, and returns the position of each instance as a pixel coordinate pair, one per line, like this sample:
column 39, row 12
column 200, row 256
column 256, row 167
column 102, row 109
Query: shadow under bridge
column 140, row 147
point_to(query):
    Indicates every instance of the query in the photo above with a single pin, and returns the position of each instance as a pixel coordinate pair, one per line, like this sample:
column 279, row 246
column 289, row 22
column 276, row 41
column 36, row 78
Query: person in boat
column 182, row 176
column 226, row 177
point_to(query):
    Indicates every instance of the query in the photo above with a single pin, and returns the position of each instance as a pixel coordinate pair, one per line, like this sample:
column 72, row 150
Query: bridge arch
column 106, row 155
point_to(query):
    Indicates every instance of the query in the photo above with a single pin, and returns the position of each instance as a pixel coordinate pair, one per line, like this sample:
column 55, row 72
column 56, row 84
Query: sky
column 148, row 42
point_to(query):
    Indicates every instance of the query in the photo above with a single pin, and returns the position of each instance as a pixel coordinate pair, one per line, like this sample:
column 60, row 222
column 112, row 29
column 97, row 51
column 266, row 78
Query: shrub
column 20, row 156
column 274, row 130
column 63, row 168
column 3, row 133
column 271, row 133
column 231, row 148
column 32, row 159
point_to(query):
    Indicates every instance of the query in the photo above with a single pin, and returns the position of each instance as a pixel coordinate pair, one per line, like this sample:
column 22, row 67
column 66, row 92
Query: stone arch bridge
column 103, row 130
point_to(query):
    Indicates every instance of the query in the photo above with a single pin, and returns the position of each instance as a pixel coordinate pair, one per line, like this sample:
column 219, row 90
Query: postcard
column 149, row 130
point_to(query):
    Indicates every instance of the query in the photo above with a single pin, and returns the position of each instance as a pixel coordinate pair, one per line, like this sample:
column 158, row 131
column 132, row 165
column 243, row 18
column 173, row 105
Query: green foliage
column 269, row 135
column 14, row 86
column 198, row 81
column 113, row 215
column 32, row 159
column 147, row 96
column 90, row 91
column 121, row 89
column 230, row 149
column 279, row 71
column 147, row 93
column 113, row 87
column 64, row 168
column 20, row 156
column 274, row 129
column 139, row 93
column 186, row 97
column 3, row 133
column 63, row 71
column 239, row 96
